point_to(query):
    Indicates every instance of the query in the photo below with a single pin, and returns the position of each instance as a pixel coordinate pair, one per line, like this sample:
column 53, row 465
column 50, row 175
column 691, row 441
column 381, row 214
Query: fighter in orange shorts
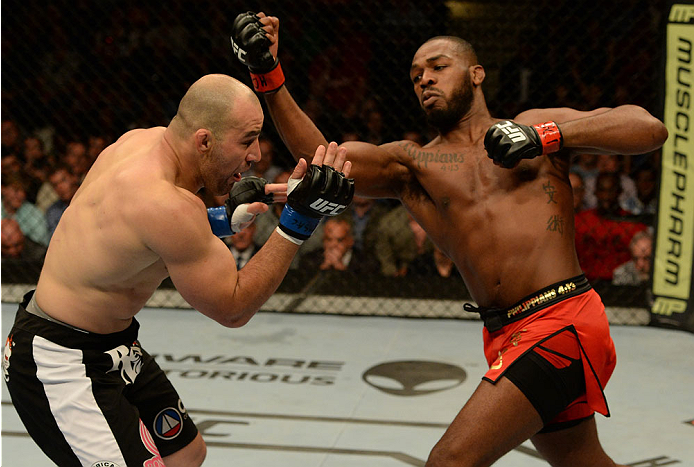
column 494, row 195
column 555, row 346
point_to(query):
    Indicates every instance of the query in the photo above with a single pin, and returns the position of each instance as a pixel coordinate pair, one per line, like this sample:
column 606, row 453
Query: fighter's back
column 98, row 270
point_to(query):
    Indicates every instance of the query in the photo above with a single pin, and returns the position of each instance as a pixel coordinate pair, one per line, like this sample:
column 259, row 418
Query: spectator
column 400, row 240
column 646, row 199
column 602, row 233
column 267, row 222
column 36, row 166
column 65, row 184
column 611, row 163
column 365, row 214
column 15, row 206
column 16, row 246
column 338, row 251
column 76, row 157
column 11, row 164
column 242, row 245
column 637, row 270
column 10, row 137
column 578, row 189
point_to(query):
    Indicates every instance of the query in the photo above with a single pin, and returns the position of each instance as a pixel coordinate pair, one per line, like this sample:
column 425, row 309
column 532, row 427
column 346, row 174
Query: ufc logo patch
column 239, row 52
column 326, row 207
column 512, row 131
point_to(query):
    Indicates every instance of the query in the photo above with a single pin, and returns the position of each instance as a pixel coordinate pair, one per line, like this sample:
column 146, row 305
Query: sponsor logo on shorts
column 126, row 360
column 168, row 423
column 105, row 464
column 6, row 357
column 414, row 378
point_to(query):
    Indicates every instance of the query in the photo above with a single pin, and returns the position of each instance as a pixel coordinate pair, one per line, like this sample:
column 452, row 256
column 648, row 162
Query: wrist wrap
column 270, row 81
column 296, row 225
column 219, row 221
column 550, row 136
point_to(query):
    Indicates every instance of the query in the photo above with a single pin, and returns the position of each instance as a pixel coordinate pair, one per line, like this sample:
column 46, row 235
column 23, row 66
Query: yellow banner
column 674, row 253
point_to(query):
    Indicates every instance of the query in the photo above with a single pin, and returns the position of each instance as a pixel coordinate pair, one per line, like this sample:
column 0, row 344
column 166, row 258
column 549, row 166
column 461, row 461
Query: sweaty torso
column 509, row 231
column 98, row 272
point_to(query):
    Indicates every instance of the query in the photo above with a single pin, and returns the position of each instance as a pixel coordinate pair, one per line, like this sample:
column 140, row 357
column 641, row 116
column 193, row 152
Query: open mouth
column 236, row 177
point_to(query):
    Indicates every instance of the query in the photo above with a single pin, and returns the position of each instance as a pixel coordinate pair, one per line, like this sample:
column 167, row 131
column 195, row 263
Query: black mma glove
column 252, row 48
column 508, row 142
column 322, row 192
column 227, row 220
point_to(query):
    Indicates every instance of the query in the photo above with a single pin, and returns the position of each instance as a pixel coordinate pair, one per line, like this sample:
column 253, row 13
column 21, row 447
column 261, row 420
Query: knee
column 442, row 456
column 447, row 455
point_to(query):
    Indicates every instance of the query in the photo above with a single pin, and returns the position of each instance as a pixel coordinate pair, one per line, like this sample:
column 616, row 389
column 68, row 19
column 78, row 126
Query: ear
column 203, row 140
column 477, row 74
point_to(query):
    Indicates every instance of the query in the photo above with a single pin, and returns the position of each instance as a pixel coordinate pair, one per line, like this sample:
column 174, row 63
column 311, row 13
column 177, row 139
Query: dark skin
column 509, row 231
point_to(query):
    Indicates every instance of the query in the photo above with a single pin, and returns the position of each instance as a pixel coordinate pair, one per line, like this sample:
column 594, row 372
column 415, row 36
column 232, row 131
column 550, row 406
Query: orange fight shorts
column 555, row 346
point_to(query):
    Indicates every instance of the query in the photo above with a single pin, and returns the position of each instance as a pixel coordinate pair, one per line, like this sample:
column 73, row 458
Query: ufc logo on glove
column 512, row 131
column 326, row 207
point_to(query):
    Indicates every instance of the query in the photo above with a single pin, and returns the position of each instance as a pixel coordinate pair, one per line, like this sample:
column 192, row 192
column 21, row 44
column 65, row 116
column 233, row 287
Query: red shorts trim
column 589, row 339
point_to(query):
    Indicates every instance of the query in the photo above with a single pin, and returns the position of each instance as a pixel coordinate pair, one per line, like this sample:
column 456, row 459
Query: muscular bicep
column 199, row 264
column 378, row 171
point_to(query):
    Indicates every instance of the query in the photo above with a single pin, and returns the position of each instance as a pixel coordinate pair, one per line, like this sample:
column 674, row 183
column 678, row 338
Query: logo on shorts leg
column 168, row 423
column 126, row 360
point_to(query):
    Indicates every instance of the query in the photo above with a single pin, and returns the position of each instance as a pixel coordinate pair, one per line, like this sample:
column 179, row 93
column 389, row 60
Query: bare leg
column 577, row 446
column 496, row 419
column 190, row 456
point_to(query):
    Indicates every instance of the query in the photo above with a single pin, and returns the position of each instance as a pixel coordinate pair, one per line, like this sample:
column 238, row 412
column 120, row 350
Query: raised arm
column 378, row 171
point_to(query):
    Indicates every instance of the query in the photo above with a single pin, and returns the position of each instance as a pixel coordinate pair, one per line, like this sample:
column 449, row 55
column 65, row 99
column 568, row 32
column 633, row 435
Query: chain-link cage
column 76, row 75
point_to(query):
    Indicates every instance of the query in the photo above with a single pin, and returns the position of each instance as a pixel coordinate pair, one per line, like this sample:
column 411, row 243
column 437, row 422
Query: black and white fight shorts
column 91, row 399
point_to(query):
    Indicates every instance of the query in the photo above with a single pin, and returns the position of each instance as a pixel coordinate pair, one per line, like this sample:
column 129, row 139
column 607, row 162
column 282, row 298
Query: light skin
column 136, row 220
column 477, row 213
column 12, row 239
column 337, row 241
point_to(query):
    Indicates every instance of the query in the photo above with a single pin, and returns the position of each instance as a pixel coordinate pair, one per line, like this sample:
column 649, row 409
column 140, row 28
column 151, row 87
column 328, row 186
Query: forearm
column 625, row 130
column 298, row 132
column 260, row 277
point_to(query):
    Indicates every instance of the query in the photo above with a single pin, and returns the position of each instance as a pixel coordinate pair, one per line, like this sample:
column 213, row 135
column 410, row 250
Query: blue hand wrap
column 219, row 221
column 297, row 225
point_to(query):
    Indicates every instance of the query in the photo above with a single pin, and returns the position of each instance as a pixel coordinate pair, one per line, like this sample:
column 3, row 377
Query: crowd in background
column 67, row 92
column 614, row 202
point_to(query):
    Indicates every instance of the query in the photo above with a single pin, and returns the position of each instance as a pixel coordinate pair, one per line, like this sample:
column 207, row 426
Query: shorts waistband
column 33, row 319
column 496, row 318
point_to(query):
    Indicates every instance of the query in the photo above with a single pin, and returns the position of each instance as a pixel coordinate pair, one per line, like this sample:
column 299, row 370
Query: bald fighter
column 86, row 390
column 494, row 195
